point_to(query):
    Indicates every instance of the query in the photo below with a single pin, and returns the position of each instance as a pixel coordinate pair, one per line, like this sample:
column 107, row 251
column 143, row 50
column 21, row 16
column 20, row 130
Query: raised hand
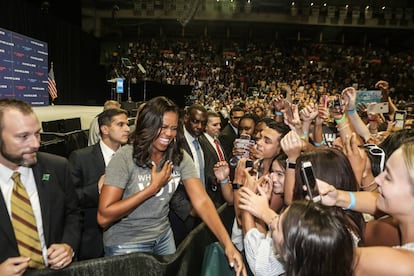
column 309, row 113
column 349, row 95
column 221, row 170
column 255, row 204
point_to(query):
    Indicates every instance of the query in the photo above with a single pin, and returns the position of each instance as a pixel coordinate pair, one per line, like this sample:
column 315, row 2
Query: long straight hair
column 315, row 241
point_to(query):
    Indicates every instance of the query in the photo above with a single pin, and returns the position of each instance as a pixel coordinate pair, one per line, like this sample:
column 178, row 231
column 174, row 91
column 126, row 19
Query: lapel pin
column 45, row 176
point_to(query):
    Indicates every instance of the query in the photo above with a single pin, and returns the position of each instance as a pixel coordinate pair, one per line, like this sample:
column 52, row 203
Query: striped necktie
column 24, row 224
column 200, row 160
column 219, row 151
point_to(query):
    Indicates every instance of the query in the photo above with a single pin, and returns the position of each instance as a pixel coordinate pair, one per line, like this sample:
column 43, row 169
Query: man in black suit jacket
column 87, row 166
column 181, row 215
column 219, row 193
column 46, row 178
column 230, row 132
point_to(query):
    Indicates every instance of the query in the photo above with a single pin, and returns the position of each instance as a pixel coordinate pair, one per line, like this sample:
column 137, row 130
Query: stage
column 56, row 112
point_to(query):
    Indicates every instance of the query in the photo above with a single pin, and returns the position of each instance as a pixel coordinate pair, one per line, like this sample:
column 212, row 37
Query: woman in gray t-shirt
column 140, row 180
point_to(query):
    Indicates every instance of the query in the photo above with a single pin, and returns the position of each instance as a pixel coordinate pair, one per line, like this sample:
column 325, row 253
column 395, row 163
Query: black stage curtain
column 80, row 78
column 186, row 261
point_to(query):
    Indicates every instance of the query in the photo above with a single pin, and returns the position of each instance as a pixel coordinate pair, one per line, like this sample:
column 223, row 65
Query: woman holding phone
column 395, row 197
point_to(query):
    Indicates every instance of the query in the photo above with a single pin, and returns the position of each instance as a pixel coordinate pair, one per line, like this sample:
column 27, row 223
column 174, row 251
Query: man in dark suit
column 213, row 153
column 230, row 132
column 87, row 166
column 182, row 216
column 46, row 180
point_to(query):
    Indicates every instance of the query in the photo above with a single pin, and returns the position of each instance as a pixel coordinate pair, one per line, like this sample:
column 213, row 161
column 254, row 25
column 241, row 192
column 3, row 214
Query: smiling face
column 268, row 144
column 20, row 139
column 167, row 132
column 395, row 187
column 278, row 177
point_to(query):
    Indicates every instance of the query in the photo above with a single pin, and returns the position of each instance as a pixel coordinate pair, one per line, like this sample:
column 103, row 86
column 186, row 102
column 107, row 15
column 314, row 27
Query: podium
column 117, row 88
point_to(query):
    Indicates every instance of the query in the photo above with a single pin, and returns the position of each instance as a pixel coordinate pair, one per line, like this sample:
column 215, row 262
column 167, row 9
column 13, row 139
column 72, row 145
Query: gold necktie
column 24, row 224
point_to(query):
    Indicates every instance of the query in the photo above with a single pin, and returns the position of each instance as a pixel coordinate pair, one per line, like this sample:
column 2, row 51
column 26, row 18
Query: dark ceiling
column 120, row 18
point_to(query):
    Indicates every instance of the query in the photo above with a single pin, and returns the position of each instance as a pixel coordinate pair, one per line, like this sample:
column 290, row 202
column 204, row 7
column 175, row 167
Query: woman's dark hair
column 148, row 126
column 249, row 116
column 395, row 140
column 315, row 241
column 281, row 159
column 266, row 120
column 332, row 166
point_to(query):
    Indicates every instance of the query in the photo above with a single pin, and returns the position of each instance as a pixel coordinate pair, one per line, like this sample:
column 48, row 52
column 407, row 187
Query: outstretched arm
column 205, row 209
column 381, row 260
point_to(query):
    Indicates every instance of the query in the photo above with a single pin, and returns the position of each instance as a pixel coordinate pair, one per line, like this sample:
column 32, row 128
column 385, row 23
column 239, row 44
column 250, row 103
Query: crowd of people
column 224, row 69
column 144, row 188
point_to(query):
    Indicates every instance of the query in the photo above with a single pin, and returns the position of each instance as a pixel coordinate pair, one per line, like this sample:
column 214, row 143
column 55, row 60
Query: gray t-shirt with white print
column 149, row 219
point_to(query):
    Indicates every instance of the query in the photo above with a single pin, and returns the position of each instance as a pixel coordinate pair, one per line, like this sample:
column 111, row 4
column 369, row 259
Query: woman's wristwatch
column 236, row 186
column 290, row 165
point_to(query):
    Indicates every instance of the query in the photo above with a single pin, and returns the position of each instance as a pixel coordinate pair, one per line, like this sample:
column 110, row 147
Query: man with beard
column 49, row 197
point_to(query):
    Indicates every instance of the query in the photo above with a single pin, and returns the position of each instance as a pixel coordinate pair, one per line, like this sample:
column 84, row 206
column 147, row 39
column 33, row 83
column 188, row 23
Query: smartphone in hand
column 243, row 143
column 399, row 118
column 308, row 177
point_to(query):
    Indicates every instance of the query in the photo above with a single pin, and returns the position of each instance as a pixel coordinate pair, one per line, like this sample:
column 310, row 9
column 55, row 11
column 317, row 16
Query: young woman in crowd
column 258, row 243
column 308, row 238
column 396, row 198
column 139, row 183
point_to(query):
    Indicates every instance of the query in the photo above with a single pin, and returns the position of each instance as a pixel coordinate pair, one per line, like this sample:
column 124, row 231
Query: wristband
column 236, row 186
column 352, row 204
column 351, row 111
column 319, row 144
column 343, row 127
column 341, row 120
column 224, row 181
column 278, row 113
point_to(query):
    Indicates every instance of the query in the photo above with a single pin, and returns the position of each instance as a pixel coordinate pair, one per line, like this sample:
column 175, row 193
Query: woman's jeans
column 163, row 245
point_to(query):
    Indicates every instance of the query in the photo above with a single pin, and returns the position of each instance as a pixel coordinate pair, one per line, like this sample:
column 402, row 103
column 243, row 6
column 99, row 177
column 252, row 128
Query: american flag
column 51, row 83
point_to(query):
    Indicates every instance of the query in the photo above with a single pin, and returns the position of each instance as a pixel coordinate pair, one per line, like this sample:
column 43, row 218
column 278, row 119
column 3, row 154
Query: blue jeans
column 163, row 245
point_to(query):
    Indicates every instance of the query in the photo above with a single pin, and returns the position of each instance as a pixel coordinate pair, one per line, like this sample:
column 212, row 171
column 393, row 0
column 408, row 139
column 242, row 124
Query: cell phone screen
column 309, row 179
column 399, row 118
column 244, row 136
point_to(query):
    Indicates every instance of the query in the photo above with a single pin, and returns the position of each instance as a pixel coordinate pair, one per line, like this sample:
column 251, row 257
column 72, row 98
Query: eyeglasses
column 377, row 151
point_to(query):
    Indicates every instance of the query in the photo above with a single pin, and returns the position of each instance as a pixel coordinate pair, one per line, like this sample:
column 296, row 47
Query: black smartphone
column 249, row 163
column 309, row 179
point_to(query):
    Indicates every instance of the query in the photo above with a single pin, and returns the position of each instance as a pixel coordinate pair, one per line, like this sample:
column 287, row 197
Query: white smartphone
column 378, row 108
column 309, row 179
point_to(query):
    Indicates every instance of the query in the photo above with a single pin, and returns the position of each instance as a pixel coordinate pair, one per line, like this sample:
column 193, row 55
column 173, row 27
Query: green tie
column 24, row 224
